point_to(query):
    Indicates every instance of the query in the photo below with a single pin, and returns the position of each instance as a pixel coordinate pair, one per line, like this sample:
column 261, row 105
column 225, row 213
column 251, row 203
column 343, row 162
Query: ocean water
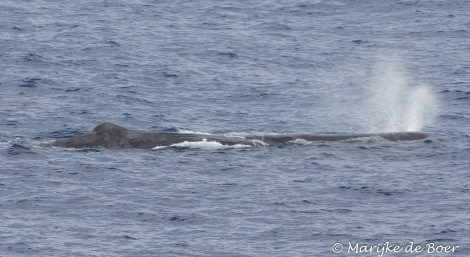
column 236, row 67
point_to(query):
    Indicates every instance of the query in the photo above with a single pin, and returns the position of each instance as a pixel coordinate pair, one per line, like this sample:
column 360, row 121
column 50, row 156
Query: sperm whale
column 112, row 136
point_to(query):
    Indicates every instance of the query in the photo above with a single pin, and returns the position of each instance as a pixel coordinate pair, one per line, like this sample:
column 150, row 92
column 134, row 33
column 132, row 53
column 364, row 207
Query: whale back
column 106, row 134
column 110, row 135
column 108, row 127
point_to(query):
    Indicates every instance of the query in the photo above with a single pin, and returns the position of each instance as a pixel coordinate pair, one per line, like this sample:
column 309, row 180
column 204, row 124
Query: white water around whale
column 204, row 145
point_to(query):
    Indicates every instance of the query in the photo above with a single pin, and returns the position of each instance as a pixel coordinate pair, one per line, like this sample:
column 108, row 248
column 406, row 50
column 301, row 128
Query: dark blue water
column 221, row 67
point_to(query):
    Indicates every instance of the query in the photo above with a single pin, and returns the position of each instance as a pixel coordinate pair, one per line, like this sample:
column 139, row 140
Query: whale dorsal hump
column 108, row 127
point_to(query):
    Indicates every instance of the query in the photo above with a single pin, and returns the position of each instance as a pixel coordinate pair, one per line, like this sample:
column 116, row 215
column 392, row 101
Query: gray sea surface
column 236, row 67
